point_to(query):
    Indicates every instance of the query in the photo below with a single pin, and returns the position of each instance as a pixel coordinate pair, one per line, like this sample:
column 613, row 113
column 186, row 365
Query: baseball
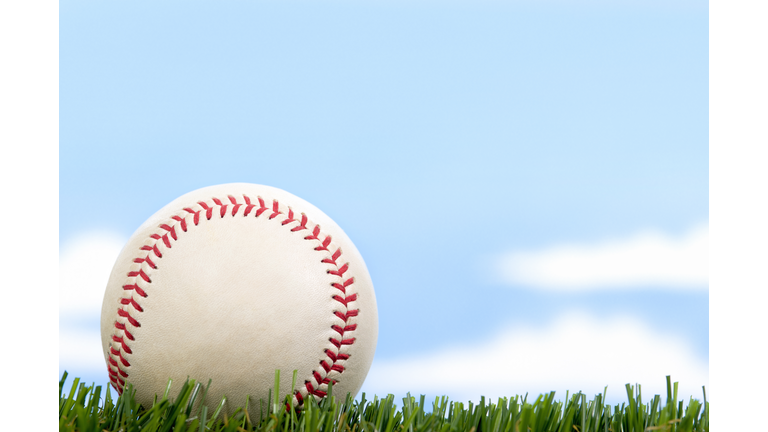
column 230, row 283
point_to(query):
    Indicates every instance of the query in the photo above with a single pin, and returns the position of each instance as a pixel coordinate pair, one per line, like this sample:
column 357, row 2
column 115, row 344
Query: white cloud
column 647, row 258
column 84, row 267
column 576, row 353
column 80, row 351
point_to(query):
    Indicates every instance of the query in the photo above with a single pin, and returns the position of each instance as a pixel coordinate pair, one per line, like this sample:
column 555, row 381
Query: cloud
column 84, row 267
column 647, row 258
column 80, row 350
column 577, row 352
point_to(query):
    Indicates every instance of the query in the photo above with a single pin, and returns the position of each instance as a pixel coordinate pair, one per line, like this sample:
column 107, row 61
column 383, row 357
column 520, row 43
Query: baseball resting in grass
column 230, row 283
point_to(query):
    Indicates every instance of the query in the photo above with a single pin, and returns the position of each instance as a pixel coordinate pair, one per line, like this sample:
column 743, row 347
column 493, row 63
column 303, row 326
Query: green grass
column 83, row 409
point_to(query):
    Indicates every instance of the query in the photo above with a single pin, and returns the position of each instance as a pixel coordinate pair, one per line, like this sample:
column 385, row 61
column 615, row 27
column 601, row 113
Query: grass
column 83, row 409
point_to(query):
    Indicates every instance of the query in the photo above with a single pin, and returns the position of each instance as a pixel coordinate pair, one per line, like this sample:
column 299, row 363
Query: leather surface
column 236, row 296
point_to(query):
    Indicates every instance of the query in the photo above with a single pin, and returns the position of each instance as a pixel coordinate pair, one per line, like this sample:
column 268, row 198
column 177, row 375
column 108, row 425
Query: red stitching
column 121, row 326
column 262, row 207
column 234, row 203
column 341, row 331
column 290, row 218
column 275, row 209
column 136, row 288
column 123, row 313
column 223, row 207
column 181, row 221
column 345, row 300
column 343, row 287
column 332, row 259
column 302, row 225
column 172, row 230
column 145, row 259
column 122, row 343
column 319, row 378
column 335, row 357
column 312, row 390
column 132, row 302
column 208, row 210
column 315, row 233
column 248, row 206
column 117, row 359
column 141, row 274
column 339, row 272
column 154, row 249
column 115, row 381
column 324, row 246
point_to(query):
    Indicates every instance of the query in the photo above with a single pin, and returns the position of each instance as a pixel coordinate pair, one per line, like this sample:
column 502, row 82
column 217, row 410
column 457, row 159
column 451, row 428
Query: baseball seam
column 139, row 281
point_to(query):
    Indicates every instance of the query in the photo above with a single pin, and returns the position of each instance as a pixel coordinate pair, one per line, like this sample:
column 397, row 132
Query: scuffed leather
column 235, row 298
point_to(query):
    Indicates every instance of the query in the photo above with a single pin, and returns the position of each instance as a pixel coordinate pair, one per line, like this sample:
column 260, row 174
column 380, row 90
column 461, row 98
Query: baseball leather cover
column 230, row 283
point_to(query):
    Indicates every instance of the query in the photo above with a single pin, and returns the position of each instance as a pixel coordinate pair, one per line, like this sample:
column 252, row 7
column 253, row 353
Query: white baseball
column 230, row 283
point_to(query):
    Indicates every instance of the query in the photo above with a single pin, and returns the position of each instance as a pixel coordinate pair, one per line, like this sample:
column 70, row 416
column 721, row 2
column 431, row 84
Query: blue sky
column 446, row 139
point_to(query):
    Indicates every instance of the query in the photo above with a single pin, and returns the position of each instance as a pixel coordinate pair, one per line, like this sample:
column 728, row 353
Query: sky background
column 528, row 183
